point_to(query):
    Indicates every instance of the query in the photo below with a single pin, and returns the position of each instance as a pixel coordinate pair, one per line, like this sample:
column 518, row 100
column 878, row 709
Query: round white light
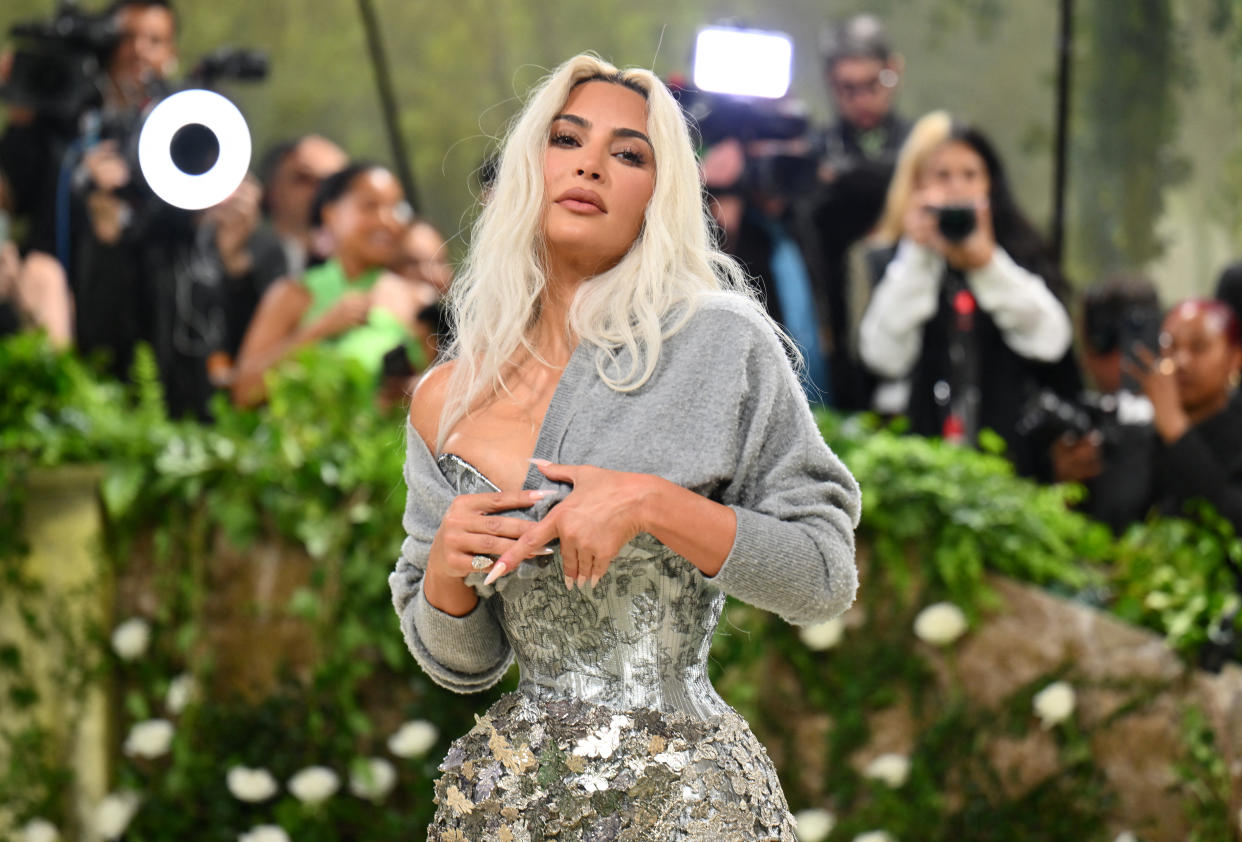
column 170, row 182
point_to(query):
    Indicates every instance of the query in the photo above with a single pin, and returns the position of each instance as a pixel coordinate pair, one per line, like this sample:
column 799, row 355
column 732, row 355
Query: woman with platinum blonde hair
column 615, row 441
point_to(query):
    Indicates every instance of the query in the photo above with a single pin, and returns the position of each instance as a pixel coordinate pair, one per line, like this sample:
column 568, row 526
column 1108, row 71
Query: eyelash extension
column 562, row 139
column 633, row 156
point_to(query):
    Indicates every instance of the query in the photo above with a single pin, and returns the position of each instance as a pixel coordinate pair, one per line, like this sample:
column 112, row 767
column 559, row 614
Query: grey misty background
column 1155, row 168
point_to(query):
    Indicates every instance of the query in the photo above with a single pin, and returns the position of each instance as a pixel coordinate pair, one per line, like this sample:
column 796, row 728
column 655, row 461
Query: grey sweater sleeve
column 796, row 504
column 464, row 654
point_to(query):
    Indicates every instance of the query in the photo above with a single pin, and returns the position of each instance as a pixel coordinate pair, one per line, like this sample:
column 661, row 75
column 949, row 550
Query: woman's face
column 1194, row 338
column 368, row 220
column 599, row 174
column 956, row 173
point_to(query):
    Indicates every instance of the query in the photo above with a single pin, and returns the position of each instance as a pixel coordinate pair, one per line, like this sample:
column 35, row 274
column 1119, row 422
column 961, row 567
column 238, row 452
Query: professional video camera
column 58, row 63
column 741, row 77
column 59, row 71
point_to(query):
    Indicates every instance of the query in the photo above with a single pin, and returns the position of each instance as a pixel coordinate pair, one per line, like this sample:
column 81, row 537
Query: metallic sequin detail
column 615, row 732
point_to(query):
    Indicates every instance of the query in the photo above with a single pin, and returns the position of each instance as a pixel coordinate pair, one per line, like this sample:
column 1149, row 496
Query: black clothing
column 1204, row 464
column 837, row 215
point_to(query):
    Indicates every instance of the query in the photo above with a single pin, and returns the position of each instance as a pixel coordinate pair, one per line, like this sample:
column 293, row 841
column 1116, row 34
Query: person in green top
column 351, row 300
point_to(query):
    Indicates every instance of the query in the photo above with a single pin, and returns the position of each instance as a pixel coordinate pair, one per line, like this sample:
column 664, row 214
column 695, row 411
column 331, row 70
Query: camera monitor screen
column 743, row 62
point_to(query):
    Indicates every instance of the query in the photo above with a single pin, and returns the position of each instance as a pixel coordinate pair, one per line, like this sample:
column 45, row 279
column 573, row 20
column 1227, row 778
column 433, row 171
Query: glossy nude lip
column 581, row 200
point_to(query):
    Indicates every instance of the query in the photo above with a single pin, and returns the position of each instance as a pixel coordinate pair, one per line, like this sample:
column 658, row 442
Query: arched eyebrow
column 586, row 124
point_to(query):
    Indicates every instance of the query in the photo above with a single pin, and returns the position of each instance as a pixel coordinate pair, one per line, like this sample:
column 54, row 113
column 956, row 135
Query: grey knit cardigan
column 723, row 415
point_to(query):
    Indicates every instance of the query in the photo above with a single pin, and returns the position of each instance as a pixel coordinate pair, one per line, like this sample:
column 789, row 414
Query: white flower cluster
column 875, row 836
column 1054, row 704
column 38, row 830
column 314, row 784
column 114, row 813
column 413, row 739
column 940, row 624
column 250, row 785
column 814, row 825
column 822, row 636
column 264, row 833
column 373, row 779
column 892, row 769
column 149, row 739
column 181, row 691
column 131, row 638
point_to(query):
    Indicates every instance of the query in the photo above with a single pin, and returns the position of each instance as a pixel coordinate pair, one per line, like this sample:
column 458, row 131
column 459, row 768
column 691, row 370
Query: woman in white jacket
column 966, row 310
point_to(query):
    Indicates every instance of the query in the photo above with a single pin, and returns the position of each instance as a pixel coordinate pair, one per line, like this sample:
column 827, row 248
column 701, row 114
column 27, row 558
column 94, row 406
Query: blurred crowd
column 894, row 252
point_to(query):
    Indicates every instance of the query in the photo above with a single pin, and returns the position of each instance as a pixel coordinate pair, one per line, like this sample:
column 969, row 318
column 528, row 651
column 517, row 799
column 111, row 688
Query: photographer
column 1192, row 386
column 965, row 307
column 1104, row 439
column 855, row 156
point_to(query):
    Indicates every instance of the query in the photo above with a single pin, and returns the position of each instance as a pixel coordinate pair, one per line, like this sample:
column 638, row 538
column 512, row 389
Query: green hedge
column 320, row 468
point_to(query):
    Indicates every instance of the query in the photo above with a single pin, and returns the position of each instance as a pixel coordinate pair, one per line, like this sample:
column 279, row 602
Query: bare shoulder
column 427, row 402
column 285, row 300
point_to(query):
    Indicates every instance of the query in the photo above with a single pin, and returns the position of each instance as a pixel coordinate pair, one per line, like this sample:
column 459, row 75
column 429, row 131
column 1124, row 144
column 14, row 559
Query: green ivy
column 319, row 469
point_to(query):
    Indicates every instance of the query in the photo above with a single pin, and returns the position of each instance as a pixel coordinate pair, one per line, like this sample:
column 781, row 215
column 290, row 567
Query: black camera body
column 956, row 222
column 58, row 63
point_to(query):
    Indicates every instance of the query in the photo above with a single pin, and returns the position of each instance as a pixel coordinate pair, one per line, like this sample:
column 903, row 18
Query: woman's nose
column 591, row 172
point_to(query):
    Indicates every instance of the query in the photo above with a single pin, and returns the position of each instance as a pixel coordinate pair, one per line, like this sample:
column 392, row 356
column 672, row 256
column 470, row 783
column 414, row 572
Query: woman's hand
column 920, row 218
column 601, row 515
column 471, row 527
column 1159, row 382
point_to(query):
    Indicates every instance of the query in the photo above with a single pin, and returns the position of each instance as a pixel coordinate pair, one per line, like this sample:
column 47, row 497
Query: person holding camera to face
column 966, row 311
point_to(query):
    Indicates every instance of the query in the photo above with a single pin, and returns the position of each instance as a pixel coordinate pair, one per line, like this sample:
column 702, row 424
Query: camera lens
column 956, row 222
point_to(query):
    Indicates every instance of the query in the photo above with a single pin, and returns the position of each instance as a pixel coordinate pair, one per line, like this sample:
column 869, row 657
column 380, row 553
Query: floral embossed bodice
column 640, row 639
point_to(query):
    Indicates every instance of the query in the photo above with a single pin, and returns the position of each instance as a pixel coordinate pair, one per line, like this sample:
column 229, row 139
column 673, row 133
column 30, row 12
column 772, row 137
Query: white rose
column 251, row 785
column 39, row 830
column 114, row 814
column 314, row 784
column 130, row 638
column 149, row 739
column 813, row 825
column 1054, row 703
column 264, row 833
column 374, row 780
column 1126, row 836
column 414, row 738
column 180, row 691
column 940, row 624
column 875, row 836
column 892, row 769
column 822, row 636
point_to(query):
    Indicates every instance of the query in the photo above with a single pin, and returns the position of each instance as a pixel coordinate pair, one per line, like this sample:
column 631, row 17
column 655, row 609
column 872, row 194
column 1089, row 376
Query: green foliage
column 938, row 512
column 1175, row 576
column 319, row 469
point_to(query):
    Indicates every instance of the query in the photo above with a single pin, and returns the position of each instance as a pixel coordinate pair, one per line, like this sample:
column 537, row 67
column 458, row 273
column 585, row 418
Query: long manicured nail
column 594, row 582
column 544, row 551
column 542, row 463
column 582, row 580
column 569, row 584
column 496, row 572
column 539, row 495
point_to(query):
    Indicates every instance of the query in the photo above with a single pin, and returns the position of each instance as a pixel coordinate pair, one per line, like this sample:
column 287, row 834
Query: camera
column 956, row 222
column 1047, row 416
column 58, row 63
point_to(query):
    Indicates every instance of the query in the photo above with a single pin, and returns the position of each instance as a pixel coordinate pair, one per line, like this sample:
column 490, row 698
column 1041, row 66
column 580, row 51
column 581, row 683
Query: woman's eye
column 632, row 156
column 561, row 139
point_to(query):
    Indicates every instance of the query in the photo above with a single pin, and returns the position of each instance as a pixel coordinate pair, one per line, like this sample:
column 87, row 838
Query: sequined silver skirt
column 570, row 770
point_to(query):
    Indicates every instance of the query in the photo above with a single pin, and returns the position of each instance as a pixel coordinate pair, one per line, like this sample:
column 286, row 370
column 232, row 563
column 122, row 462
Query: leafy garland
column 319, row 469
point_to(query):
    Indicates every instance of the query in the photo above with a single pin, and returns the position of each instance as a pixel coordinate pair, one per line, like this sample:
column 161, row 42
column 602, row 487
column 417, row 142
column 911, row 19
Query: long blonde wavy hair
column 926, row 136
column 625, row 312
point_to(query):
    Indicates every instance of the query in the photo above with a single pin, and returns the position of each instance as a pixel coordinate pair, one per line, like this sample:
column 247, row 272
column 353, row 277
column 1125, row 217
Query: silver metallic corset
column 640, row 639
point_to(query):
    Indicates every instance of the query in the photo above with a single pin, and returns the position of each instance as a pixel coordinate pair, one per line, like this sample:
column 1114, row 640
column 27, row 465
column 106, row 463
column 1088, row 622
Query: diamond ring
column 480, row 562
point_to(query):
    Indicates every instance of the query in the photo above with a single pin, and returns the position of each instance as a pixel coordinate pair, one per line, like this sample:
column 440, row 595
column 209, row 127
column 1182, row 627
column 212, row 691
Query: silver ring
column 481, row 562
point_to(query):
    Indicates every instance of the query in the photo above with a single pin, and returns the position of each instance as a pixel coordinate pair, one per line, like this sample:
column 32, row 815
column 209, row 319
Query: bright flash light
column 744, row 62
column 170, row 182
